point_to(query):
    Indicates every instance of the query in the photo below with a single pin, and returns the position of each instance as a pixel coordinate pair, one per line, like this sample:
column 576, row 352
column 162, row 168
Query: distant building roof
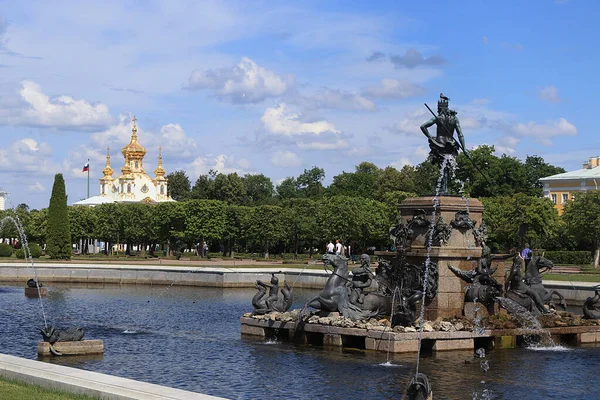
column 94, row 201
column 577, row 174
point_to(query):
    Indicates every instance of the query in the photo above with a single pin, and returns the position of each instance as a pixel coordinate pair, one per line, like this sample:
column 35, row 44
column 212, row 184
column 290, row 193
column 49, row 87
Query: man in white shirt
column 338, row 247
column 330, row 247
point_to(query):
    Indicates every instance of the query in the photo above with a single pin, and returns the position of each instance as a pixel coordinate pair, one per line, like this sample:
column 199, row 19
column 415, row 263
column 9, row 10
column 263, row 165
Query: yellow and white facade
column 562, row 188
column 133, row 185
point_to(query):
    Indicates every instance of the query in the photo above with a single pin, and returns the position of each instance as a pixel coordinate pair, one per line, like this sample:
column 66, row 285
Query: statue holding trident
column 444, row 144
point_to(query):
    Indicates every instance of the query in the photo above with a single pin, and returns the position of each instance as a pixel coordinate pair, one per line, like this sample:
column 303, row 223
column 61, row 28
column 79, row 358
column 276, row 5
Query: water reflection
column 189, row 338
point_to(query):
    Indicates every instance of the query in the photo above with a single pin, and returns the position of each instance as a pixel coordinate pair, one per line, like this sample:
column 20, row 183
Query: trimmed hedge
column 569, row 257
column 36, row 251
column 5, row 250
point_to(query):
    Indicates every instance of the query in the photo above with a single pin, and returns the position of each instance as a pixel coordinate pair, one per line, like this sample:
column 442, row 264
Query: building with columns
column 133, row 185
column 562, row 188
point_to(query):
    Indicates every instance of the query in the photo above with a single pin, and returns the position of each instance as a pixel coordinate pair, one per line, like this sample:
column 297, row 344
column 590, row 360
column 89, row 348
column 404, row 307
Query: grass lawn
column 572, row 277
column 15, row 390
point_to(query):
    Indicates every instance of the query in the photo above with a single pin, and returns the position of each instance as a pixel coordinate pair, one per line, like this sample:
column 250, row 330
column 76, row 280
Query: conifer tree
column 58, row 244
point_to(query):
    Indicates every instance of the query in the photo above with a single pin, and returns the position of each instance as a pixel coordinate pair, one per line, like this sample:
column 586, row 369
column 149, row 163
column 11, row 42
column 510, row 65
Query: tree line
column 248, row 214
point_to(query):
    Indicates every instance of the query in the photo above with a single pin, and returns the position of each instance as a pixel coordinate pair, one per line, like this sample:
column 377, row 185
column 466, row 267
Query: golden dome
column 107, row 171
column 134, row 150
column 160, row 171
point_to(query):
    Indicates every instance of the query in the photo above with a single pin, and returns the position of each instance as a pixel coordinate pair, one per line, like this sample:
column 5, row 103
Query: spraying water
column 436, row 203
column 28, row 258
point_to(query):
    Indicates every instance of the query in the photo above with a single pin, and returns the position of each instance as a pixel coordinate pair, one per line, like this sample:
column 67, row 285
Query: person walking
column 338, row 247
column 330, row 248
column 526, row 254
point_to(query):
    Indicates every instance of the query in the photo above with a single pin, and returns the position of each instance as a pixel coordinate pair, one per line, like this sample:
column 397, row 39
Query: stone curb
column 94, row 384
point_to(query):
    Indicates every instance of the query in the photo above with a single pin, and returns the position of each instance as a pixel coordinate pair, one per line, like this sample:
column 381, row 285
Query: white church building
column 133, row 185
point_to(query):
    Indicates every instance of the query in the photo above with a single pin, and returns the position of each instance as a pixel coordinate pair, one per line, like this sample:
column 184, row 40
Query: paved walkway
column 89, row 383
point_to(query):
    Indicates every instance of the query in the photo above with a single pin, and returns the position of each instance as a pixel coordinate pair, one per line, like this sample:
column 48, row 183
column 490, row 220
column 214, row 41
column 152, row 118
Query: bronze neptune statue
column 444, row 145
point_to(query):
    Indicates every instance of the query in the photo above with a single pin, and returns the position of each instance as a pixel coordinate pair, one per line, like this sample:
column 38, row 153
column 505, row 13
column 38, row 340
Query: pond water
column 189, row 338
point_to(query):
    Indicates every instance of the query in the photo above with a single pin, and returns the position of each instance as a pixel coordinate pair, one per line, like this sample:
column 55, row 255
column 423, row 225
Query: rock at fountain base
column 329, row 314
column 81, row 347
column 33, row 292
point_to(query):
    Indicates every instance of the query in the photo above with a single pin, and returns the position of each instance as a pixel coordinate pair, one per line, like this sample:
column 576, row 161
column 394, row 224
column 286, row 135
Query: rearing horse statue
column 334, row 296
column 533, row 278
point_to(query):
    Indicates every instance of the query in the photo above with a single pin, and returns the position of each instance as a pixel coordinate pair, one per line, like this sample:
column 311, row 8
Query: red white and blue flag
column 86, row 167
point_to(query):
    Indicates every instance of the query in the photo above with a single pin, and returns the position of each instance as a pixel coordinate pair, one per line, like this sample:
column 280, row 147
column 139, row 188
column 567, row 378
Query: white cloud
column 171, row 137
column 65, row 112
column 507, row 144
column 401, row 163
column 341, row 100
column 288, row 121
column 286, row 159
column 393, row 89
column 174, row 140
column 243, row 163
column 411, row 124
column 485, row 40
column 28, row 156
column 550, row 94
column 244, row 83
column 544, row 132
column 36, row 187
column 320, row 145
column 220, row 163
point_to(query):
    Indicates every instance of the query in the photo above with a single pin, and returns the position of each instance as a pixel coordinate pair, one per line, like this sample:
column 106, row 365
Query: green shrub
column 569, row 257
column 36, row 251
column 5, row 250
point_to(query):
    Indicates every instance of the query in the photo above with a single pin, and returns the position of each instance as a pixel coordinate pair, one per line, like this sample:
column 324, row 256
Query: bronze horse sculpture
column 533, row 279
column 335, row 295
column 519, row 292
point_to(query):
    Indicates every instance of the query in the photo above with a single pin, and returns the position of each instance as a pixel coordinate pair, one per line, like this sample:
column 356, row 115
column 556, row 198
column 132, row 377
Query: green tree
column 229, row 188
column 582, row 216
column 300, row 222
column 37, row 227
column 504, row 216
column 82, row 221
column 58, row 244
column 179, row 185
column 392, row 180
column 108, row 227
column 259, row 189
column 264, row 226
column 287, row 188
column 425, row 178
column 536, row 168
column 310, row 182
column 362, row 182
column 204, row 187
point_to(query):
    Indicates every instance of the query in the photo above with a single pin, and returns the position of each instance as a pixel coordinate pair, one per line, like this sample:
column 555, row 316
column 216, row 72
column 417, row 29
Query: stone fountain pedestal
column 33, row 292
column 458, row 250
column 81, row 347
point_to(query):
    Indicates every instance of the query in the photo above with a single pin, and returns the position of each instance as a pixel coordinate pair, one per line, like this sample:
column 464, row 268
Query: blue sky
column 274, row 87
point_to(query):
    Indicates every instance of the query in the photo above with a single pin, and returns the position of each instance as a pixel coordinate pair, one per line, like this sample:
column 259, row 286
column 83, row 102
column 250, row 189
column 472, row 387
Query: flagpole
column 88, row 187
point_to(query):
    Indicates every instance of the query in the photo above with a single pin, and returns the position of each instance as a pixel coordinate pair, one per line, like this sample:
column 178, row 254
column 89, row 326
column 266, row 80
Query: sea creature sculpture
column 591, row 306
column 53, row 335
column 266, row 304
column 32, row 283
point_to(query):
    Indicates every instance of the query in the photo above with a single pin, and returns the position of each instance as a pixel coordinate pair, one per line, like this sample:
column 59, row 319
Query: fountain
column 456, row 302
column 71, row 339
